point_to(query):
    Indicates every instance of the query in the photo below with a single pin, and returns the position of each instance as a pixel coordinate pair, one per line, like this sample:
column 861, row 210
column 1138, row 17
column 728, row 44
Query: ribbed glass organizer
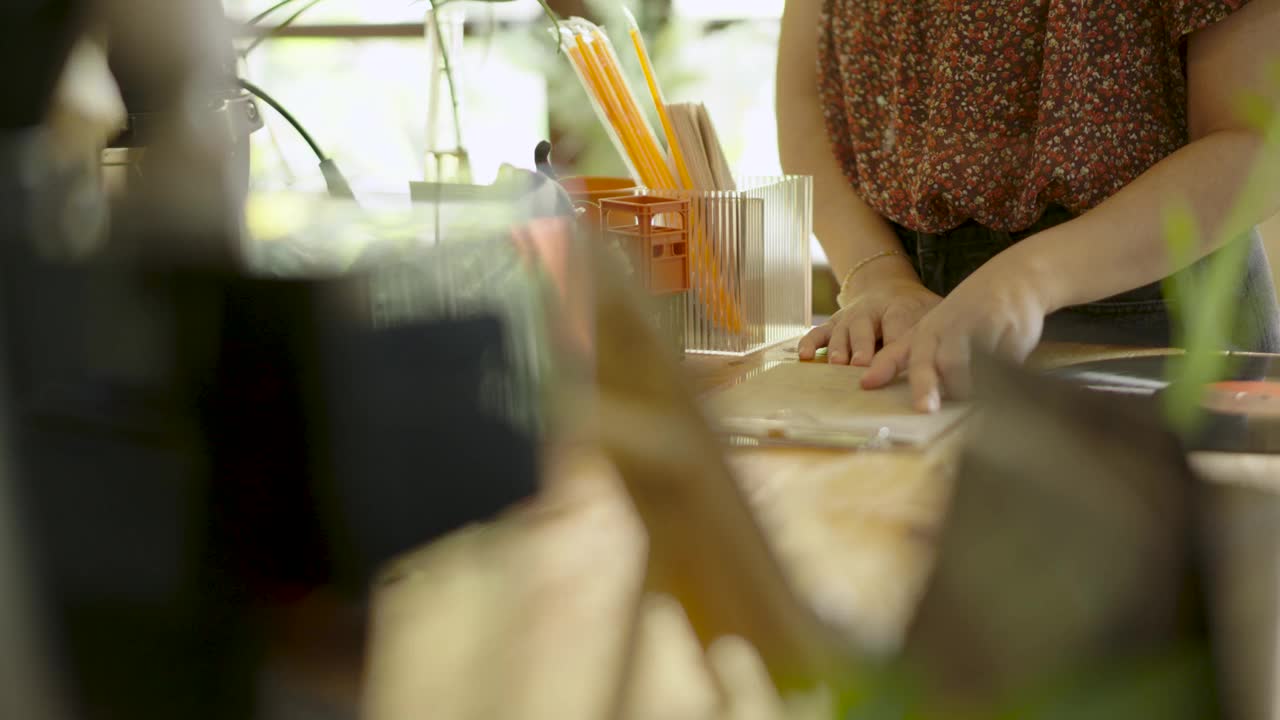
column 749, row 272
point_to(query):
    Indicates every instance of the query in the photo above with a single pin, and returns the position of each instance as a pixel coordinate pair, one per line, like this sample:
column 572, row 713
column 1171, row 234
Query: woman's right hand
column 883, row 308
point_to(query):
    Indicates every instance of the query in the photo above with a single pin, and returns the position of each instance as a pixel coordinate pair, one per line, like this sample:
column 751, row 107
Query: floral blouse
column 942, row 111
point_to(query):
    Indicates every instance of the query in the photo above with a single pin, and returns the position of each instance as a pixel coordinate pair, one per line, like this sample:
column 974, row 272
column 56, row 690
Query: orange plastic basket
column 653, row 231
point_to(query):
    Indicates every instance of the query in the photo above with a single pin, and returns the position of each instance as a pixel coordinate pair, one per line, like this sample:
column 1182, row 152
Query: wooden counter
column 526, row 616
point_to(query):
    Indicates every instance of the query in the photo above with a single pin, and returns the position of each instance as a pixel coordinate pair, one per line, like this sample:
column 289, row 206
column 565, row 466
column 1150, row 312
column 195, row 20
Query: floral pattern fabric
column 943, row 111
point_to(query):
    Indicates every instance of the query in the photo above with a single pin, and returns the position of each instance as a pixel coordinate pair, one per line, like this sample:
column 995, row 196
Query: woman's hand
column 999, row 309
column 885, row 307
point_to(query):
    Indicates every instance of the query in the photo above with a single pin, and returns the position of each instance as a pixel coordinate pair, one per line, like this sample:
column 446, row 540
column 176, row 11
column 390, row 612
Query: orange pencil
column 612, row 107
column 648, row 142
column 607, row 116
column 659, row 101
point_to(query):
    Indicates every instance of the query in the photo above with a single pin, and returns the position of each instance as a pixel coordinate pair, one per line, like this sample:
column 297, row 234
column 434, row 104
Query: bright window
column 364, row 99
column 365, row 102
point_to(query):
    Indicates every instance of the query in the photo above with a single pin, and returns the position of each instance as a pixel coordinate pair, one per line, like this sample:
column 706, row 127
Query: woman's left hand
column 999, row 309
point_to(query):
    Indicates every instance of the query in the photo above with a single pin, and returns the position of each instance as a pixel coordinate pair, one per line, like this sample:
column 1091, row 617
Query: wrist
column 1033, row 265
column 890, row 266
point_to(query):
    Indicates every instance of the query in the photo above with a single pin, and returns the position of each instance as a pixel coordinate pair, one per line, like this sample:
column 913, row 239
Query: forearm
column 1121, row 244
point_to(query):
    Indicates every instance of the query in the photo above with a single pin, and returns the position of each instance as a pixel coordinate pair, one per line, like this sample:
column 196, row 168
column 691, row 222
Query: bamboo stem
column 448, row 74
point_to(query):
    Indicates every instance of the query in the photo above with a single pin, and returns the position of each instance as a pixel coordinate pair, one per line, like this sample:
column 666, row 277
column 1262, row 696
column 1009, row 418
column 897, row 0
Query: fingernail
column 932, row 403
column 836, row 357
column 859, row 358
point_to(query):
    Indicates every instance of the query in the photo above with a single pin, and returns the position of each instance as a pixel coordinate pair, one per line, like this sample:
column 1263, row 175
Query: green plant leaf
column 1208, row 324
column 1182, row 237
column 1210, row 316
column 1273, row 72
column 266, row 13
column 1256, row 109
column 286, row 23
column 441, row 3
column 546, row 10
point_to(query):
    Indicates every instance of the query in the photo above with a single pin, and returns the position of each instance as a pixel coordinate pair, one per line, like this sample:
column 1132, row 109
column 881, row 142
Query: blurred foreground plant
column 1203, row 308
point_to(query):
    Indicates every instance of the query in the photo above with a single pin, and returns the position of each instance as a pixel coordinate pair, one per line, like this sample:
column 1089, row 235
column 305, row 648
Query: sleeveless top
column 944, row 111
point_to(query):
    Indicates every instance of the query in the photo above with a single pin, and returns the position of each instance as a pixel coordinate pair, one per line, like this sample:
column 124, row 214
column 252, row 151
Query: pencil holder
column 750, row 282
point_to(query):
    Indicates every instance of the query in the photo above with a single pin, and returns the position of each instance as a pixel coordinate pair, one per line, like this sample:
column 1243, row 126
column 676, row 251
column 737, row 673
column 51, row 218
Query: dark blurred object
column 338, row 445
column 27, row 689
column 195, row 446
column 111, row 469
column 1244, row 537
column 36, row 37
column 224, row 106
column 416, row 451
column 234, row 113
column 542, row 160
column 221, row 107
column 1069, row 570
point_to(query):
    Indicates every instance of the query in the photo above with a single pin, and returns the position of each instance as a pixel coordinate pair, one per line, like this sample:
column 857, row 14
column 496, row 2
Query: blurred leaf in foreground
column 1204, row 313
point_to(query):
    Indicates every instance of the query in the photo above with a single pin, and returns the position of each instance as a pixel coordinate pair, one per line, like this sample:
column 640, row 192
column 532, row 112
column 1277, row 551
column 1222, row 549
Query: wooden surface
column 527, row 616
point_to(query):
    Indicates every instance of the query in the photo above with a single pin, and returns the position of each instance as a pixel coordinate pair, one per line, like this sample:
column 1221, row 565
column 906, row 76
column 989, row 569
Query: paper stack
column 696, row 136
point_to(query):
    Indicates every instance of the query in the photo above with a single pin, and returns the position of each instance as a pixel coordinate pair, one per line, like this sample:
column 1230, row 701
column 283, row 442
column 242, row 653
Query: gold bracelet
column 864, row 262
